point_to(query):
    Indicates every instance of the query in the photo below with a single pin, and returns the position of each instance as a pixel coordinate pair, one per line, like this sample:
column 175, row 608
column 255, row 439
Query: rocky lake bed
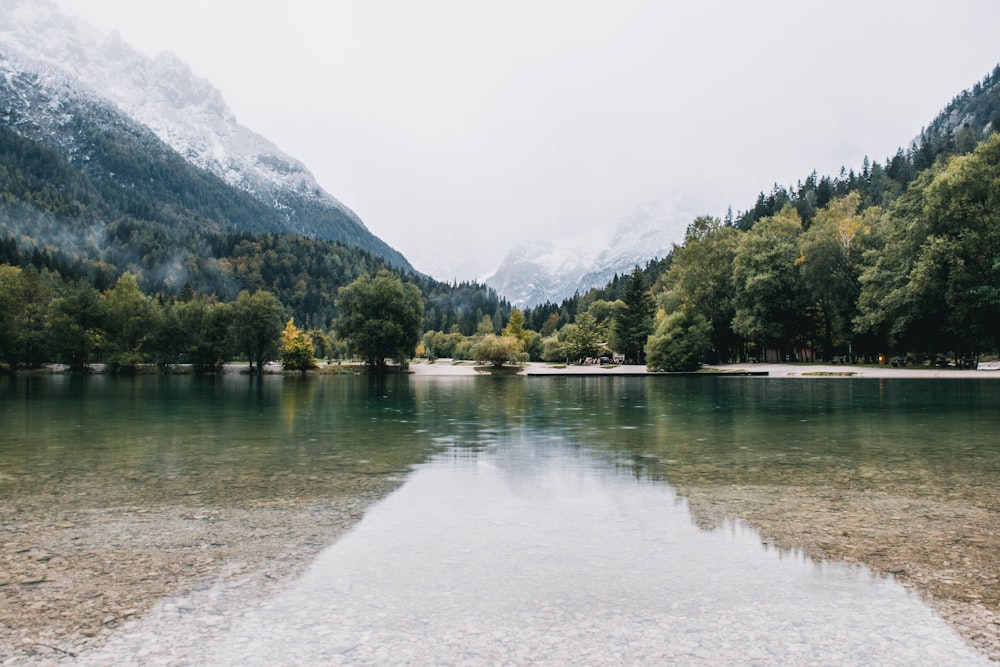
column 83, row 559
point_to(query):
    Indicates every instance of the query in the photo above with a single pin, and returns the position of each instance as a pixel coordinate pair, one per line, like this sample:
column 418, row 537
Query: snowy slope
column 184, row 111
column 538, row 271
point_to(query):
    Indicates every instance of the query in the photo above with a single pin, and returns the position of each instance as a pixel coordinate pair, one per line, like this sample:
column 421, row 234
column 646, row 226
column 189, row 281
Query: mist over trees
column 897, row 259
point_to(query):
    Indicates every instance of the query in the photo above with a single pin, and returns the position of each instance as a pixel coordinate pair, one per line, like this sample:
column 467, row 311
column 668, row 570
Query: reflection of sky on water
column 536, row 530
column 544, row 552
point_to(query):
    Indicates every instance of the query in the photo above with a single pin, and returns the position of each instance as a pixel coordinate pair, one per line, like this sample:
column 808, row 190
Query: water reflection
column 540, row 552
column 711, row 430
column 158, row 438
column 546, row 494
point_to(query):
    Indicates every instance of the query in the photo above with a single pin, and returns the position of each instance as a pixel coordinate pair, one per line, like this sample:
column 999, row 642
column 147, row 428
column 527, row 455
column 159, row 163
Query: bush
column 679, row 343
column 498, row 350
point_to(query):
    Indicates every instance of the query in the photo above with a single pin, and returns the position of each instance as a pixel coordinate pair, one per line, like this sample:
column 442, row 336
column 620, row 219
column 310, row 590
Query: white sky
column 457, row 128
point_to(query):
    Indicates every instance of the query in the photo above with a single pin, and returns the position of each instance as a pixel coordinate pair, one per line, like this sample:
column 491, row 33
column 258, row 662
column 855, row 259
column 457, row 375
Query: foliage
column 633, row 323
column 679, row 342
column 766, row 294
column 829, row 265
column 380, row 318
column 499, row 350
column 553, row 349
column 700, row 281
column 130, row 316
column 296, row 348
column 515, row 328
column 74, row 325
column 584, row 338
column 936, row 283
column 206, row 324
column 256, row 326
column 438, row 344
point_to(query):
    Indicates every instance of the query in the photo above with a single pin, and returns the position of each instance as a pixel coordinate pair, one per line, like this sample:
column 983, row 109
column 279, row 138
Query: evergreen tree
column 634, row 322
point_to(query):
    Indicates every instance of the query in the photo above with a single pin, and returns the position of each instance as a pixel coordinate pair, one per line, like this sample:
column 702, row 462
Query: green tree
column 583, row 338
column 74, row 326
column 553, row 349
column 829, row 268
column 550, row 325
column 171, row 339
column 130, row 317
column 380, row 318
column 769, row 309
column 321, row 344
column 25, row 294
column 700, row 280
column 936, row 284
column 499, row 350
column 208, row 324
column 515, row 328
column 10, row 307
column 605, row 312
column 438, row 344
column 256, row 325
column 296, row 348
column 485, row 326
column 679, row 342
column 634, row 321
column 533, row 346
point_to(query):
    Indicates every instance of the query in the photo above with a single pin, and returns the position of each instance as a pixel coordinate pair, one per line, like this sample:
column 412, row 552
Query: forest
column 900, row 260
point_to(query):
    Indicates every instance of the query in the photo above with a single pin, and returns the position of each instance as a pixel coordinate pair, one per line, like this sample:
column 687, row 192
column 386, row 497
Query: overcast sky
column 456, row 128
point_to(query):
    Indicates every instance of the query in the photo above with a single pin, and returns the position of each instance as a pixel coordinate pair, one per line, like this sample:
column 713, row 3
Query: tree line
column 916, row 276
column 897, row 259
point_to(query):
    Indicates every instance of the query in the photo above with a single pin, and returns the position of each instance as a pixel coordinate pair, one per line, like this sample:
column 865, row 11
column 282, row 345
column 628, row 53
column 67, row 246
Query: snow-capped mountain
column 535, row 272
column 186, row 112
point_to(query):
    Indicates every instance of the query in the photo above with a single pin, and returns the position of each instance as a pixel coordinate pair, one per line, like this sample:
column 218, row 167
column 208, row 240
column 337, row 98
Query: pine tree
column 634, row 323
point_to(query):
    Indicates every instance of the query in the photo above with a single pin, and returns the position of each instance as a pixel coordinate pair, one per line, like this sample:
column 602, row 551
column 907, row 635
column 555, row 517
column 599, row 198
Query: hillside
column 186, row 113
column 956, row 130
column 895, row 260
column 89, row 193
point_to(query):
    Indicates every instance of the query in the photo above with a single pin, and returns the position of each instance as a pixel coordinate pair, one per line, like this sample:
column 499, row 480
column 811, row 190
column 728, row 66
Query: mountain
column 186, row 113
column 975, row 110
column 546, row 271
column 536, row 272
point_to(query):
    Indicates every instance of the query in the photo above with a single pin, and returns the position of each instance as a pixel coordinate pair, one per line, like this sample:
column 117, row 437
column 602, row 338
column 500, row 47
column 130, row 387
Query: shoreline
column 450, row 367
column 989, row 370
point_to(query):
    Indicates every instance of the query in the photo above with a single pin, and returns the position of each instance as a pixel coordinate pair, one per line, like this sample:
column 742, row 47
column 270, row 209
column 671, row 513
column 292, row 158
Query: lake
column 558, row 520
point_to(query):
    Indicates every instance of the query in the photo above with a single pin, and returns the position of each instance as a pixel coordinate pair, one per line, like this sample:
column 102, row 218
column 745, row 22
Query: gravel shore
column 75, row 565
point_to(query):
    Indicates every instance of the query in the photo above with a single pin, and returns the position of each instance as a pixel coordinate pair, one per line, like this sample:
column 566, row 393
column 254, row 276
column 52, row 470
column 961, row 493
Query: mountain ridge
column 536, row 272
column 186, row 112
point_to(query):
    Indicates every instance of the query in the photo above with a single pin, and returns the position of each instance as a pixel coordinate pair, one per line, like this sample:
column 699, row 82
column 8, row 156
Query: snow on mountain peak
column 185, row 111
column 538, row 271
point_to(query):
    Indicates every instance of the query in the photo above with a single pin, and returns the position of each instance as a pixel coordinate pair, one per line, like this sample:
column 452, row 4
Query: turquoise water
column 199, row 431
column 539, row 519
